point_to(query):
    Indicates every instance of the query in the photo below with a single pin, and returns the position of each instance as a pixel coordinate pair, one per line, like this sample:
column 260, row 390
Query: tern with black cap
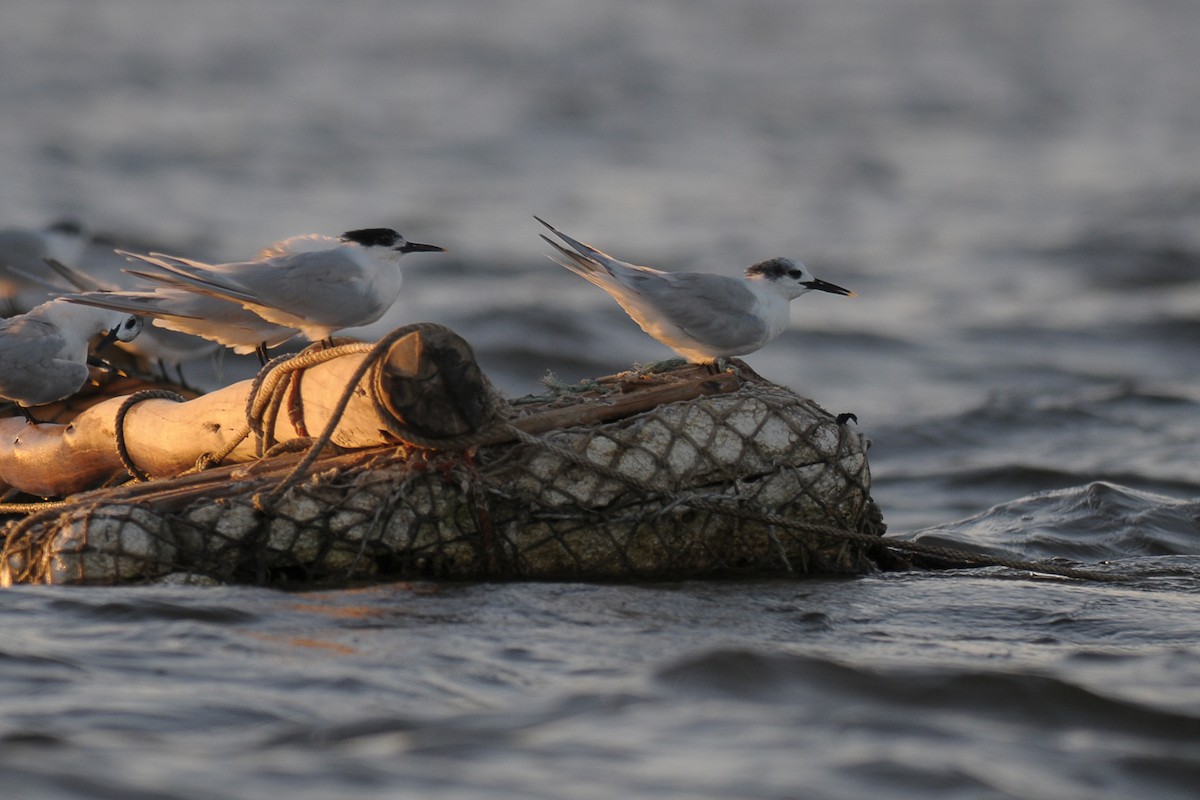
column 702, row 317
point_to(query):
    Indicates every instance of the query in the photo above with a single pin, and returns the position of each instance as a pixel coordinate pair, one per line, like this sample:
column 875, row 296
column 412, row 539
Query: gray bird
column 44, row 352
column 701, row 317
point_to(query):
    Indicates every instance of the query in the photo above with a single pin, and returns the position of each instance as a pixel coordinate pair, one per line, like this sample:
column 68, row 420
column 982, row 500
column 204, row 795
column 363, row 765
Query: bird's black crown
column 773, row 268
column 373, row 237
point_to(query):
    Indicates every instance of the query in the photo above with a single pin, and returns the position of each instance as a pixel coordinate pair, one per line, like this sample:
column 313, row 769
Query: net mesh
column 755, row 482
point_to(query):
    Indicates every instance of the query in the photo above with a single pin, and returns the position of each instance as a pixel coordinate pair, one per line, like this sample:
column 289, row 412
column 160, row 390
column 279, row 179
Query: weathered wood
column 226, row 480
column 165, row 438
column 638, row 397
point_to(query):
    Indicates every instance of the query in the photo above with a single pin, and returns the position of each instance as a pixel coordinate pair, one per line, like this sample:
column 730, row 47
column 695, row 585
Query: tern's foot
column 721, row 365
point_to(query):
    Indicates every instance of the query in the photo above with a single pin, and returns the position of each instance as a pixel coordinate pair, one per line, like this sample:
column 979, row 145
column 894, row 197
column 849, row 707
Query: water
column 1014, row 191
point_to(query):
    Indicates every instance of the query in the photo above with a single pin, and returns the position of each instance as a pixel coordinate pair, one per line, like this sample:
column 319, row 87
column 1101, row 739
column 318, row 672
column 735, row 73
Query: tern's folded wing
column 712, row 309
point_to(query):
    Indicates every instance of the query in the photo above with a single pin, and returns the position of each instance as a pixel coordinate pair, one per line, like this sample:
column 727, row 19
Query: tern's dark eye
column 794, row 273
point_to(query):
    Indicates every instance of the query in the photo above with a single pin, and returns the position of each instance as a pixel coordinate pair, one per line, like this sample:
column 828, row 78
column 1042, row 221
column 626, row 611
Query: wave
column 1098, row 521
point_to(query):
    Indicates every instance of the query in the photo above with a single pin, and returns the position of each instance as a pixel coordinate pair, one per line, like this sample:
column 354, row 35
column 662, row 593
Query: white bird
column 317, row 284
column 44, row 352
column 701, row 317
column 24, row 250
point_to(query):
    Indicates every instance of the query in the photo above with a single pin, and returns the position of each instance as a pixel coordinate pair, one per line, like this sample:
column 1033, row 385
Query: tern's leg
column 263, row 356
column 718, row 365
column 177, row 378
column 25, row 412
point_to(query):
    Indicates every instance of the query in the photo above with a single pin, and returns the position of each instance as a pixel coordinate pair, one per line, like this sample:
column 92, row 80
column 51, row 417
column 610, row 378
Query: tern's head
column 129, row 328
column 126, row 330
column 388, row 239
column 791, row 278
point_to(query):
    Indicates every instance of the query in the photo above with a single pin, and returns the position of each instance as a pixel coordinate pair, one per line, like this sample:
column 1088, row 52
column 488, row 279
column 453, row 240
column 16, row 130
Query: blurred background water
column 1012, row 188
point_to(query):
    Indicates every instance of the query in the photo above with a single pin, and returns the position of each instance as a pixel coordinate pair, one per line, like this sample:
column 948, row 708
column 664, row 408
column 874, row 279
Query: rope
column 265, row 397
column 271, row 387
column 373, row 362
column 22, row 531
column 130, row 401
column 30, row 508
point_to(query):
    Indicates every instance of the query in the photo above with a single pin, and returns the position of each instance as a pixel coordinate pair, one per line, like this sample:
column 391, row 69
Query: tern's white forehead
column 775, row 269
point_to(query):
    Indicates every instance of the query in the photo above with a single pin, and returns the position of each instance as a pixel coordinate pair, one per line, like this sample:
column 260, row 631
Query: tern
column 700, row 316
column 44, row 352
column 315, row 284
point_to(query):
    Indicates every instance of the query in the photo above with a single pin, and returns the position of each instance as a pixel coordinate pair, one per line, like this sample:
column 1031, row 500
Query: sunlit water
column 1012, row 189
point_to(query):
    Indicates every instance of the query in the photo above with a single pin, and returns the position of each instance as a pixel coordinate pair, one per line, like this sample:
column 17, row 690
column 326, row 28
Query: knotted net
column 753, row 481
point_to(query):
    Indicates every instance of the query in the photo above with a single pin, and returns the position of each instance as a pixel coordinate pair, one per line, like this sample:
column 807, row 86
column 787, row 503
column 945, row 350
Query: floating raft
column 399, row 461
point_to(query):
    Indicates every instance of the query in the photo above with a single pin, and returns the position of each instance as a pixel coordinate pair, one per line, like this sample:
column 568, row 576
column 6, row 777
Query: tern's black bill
column 417, row 247
column 826, row 286
column 108, row 339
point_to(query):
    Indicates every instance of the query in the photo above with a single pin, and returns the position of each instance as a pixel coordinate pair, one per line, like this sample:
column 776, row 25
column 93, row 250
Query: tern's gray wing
column 306, row 283
column 195, row 314
column 31, row 371
column 297, row 284
column 146, row 304
column 712, row 309
column 195, row 275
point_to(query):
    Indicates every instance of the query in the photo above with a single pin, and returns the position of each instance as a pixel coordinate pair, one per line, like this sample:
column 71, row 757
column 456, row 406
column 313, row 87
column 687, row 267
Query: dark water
column 1012, row 188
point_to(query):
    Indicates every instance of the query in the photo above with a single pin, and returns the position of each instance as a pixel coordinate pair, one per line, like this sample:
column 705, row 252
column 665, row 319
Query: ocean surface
column 1013, row 189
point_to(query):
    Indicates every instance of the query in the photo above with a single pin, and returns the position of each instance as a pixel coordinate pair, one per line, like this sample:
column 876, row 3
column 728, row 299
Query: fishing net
column 748, row 480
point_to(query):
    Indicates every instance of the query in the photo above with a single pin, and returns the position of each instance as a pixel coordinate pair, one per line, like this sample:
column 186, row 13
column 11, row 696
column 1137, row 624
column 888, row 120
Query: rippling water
column 1014, row 191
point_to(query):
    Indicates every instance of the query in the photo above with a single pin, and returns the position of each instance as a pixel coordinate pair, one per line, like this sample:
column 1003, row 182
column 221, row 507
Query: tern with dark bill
column 700, row 316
